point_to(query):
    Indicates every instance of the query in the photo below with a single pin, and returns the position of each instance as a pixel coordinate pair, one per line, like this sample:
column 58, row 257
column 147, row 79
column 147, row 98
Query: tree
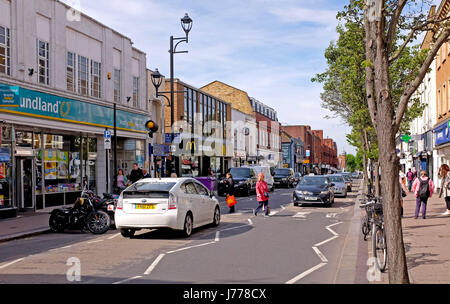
column 390, row 26
column 350, row 162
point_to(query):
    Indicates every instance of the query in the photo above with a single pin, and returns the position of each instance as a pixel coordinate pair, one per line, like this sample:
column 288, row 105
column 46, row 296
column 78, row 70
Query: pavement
column 26, row 224
column 426, row 242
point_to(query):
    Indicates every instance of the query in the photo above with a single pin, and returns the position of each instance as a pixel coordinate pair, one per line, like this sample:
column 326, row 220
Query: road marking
column 96, row 241
column 186, row 248
column 250, row 221
column 234, row 227
column 217, row 236
column 130, row 279
column 301, row 214
column 286, row 194
column 304, row 274
column 10, row 263
column 326, row 241
column 320, row 254
column 153, row 265
column 282, row 207
column 65, row 247
column 328, row 228
column 331, row 215
column 274, row 212
column 113, row 236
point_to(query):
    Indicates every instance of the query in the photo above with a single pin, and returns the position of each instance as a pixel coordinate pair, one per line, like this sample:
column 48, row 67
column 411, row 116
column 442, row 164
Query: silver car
column 340, row 186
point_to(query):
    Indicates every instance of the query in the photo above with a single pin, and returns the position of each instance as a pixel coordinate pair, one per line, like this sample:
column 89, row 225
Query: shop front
column 442, row 145
column 52, row 147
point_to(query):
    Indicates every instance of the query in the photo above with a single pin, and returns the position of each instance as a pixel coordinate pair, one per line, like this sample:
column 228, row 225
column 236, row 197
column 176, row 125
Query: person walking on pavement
column 136, row 174
column 403, row 191
column 410, row 177
column 444, row 174
column 229, row 188
column 423, row 188
column 262, row 195
column 122, row 181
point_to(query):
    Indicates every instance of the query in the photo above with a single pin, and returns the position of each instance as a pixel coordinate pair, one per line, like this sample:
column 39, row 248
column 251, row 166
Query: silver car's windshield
column 336, row 179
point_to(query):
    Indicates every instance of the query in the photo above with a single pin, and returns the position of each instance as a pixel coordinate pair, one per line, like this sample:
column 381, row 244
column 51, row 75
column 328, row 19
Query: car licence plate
column 146, row 206
column 110, row 207
column 309, row 198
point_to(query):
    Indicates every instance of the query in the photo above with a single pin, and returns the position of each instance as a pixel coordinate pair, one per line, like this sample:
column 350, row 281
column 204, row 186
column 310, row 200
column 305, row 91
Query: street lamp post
column 186, row 24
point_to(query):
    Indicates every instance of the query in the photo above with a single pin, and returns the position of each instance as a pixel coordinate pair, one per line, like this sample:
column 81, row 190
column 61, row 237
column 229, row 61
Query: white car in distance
column 176, row 203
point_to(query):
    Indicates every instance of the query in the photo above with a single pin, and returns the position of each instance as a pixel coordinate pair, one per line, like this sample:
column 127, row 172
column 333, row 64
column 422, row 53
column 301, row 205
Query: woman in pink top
column 262, row 195
column 423, row 188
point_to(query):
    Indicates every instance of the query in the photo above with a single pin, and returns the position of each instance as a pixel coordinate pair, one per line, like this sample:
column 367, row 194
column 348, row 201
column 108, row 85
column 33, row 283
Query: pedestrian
column 136, row 174
column 173, row 174
column 122, row 181
column 210, row 172
column 145, row 174
column 262, row 195
column 229, row 188
column 410, row 177
column 403, row 192
column 444, row 174
column 414, row 171
column 423, row 188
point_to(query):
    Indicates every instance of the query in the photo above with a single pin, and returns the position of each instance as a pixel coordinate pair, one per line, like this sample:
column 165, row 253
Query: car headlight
column 324, row 192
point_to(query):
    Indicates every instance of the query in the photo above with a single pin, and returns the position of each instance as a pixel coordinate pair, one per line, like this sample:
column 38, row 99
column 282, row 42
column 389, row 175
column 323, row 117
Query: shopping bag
column 231, row 200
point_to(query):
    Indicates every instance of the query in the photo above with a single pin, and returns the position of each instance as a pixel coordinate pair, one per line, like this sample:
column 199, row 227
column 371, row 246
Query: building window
column 96, row 79
column 4, row 51
column 135, row 91
column 70, row 71
column 43, row 62
column 116, row 85
column 83, row 75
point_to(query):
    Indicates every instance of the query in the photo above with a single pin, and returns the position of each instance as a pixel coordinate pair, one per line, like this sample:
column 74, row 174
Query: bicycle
column 366, row 223
column 379, row 245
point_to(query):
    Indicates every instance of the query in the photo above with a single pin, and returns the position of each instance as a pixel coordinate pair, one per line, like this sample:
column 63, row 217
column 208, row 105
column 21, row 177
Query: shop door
column 25, row 189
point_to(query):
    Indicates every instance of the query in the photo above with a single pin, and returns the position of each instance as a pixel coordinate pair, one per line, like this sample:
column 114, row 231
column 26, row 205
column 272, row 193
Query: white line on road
column 304, row 274
column 65, row 247
column 326, row 241
column 113, row 236
column 185, row 248
column 130, row 279
column 96, row 241
column 153, row 265
column 217, row 236
column 331, row 215
column 320, row 254
column 234, row 227
column 301, row 214
column 250, row 221
column 328, row 228
column 10, row 263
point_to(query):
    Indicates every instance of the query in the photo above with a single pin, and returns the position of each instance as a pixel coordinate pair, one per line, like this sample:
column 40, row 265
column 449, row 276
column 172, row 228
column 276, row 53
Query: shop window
column 24, row 139
column 83, row 75
column 189, row 166
column 62, row 171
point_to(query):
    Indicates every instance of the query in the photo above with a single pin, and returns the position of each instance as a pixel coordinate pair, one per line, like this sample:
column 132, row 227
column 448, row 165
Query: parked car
column 316, row 189
column 355, row 175
column 340, row 187
column 244, row 181
column 177, row 203
column 298, row 177
column 268, row 177
column 284, row 177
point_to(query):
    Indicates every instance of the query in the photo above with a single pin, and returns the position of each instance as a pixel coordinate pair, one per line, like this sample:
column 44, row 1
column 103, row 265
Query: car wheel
column 216, row 218
column 188, row 225
column 128, row 233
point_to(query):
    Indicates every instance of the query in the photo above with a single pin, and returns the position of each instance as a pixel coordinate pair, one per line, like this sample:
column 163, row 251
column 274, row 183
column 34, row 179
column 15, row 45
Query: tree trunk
column 398, row 272
column 377, row 184
column 382, row 114
column 364, row 157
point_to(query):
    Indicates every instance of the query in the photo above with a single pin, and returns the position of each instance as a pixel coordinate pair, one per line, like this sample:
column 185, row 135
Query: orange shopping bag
column 231, row 200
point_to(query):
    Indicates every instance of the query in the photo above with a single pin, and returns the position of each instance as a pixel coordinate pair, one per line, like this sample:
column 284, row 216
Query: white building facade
column 62, row 74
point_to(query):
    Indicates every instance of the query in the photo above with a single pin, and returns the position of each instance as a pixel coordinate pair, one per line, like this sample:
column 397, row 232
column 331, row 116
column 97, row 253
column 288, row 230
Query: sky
column 268, row 48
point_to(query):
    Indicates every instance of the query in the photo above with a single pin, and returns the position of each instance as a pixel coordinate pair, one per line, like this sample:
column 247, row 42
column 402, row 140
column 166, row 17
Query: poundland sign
column 17, row 100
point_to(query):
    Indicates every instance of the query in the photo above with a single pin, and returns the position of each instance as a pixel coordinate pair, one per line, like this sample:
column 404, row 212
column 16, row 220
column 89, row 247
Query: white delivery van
column 268, row 177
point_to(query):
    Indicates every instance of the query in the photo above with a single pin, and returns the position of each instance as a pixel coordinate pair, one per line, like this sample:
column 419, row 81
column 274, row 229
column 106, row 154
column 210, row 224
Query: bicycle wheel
column 365, row 229
column 379, row 247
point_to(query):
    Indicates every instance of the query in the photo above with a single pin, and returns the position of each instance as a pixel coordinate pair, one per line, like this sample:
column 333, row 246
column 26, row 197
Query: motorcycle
column 86, row 214
column 110, row 200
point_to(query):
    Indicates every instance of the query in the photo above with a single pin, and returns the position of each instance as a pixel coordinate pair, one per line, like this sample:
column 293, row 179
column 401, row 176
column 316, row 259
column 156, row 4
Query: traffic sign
column 107, row 134
column 107, row 143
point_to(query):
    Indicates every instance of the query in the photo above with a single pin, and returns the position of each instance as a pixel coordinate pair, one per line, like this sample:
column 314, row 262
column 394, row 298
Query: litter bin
column 209, row 182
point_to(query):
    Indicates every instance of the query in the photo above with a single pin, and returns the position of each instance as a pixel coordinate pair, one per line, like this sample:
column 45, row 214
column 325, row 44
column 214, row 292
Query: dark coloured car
column 284, row 177
column 244, row 181
column 298, row 177
column 348, row 180
column 314, row 190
